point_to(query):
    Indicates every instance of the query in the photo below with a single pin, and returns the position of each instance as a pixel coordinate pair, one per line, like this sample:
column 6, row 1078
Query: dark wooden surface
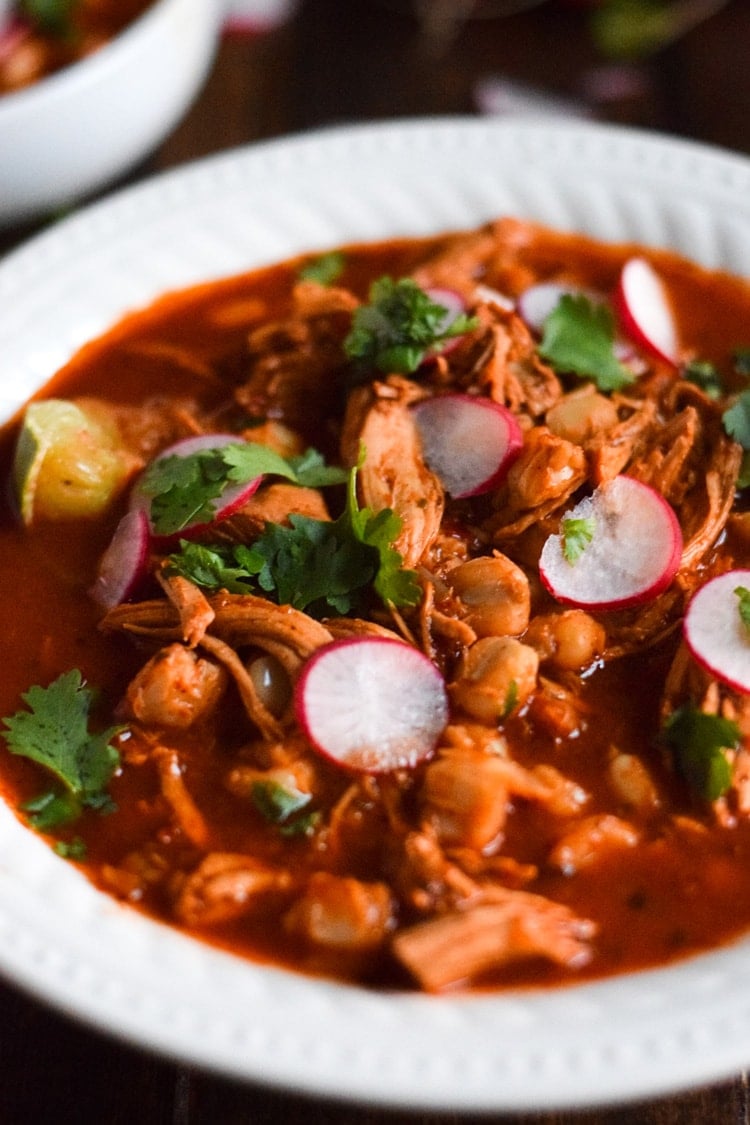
column 341, row 61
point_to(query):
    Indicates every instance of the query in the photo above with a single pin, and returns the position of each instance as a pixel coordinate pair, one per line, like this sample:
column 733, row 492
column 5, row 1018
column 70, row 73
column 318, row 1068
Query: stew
column 353, row 610
column 44, row 36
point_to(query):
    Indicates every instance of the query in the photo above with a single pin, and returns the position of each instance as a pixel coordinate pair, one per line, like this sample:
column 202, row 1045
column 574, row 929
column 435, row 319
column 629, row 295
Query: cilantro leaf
column 699, row 741
column 741, row 360
column 319, row 566
column 311, row 470
column 736, row 419
column 184, row 490
column 576, row 536
column 578, row 339
column 54, row 733
column 277, row 803
column 743, row 604
column 326, row 269
column 401, row 323
column 706, row 376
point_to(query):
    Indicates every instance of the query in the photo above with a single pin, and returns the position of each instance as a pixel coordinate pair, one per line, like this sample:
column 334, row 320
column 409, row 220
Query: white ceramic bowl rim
column 593, row 1044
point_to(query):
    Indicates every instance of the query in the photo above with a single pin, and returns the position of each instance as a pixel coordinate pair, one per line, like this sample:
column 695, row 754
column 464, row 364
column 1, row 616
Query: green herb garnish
column 320, row 566
column 399, row 326
column 325, row 270
column 578, row 339
column 54, row 733
column 706, row 376
column 699, row 742
column 576, row 536
column 185, row 490
column 736, row 419
column 743, row 604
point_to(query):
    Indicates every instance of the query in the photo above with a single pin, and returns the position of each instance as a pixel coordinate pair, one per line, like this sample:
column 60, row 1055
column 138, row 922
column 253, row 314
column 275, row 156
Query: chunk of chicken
column 458, row 947
column 224, row 886
column 176, row 688
column 342, row 913
column 394, row 475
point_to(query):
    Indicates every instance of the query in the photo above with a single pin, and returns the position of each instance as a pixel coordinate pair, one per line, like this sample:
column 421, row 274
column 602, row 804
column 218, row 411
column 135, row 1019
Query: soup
column 41, row 38
column 354, row 611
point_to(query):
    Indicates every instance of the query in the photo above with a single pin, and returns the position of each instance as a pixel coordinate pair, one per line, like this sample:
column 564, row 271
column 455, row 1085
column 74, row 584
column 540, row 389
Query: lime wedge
column 66, row 465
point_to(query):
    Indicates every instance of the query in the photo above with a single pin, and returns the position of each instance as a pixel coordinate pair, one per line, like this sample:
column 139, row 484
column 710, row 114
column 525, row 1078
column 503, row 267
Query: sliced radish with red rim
column 645, row 310
column 630, row 548
column 371, row 704
column 124, row 564
column 537, row 302
column 715, row 632
column 231, row 499
column 467, row 441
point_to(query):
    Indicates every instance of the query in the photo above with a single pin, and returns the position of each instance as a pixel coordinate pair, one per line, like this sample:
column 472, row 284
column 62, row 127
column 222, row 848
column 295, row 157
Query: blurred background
column 281, row 66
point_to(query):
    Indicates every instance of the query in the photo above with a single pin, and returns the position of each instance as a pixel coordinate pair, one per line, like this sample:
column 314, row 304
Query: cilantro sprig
column 576, row 536
column 578, row 339
column 398, row 327
column 186, row 490
column 285, row 806
column 320, row 566
column 699, row 742
column 743, row 604
column 54, row 733
column 325, row 269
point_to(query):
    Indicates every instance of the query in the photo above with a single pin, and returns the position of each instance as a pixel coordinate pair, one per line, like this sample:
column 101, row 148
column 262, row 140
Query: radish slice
column 645, row 310
column 455, row 306
column 469, row 442
column 716, row 634
column 537, row 302
column 633, row 553
column 123, row 565
column 226, row 505
column 371, row 703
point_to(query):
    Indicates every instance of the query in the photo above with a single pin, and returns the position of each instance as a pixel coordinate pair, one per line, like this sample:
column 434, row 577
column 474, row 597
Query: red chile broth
column 679, row 891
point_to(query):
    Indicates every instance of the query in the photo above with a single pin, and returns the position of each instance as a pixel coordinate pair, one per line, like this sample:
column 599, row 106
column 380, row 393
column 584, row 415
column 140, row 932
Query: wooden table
column 338, row 61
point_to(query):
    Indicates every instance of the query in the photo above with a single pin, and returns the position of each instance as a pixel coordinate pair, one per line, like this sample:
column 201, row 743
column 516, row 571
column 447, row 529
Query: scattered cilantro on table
column 54, row 733
column 578, row 339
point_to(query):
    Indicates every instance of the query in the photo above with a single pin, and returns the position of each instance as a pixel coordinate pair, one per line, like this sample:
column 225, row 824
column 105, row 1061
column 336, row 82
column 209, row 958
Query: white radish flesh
column 632, row 556
column 715, row 632
column 645, row 310
column 371, row 704
column 467, row 441
column 124, row 564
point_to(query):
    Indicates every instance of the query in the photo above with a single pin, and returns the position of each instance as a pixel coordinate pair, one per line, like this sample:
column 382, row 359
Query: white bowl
column 81, row 128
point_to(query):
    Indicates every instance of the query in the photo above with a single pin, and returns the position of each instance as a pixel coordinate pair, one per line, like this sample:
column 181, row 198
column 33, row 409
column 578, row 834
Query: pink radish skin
column 229, row 502
column 124, row 564
column 645, row 312
column 371, row 704
column 632, row 557
column 467, row 441
column 715, row 633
